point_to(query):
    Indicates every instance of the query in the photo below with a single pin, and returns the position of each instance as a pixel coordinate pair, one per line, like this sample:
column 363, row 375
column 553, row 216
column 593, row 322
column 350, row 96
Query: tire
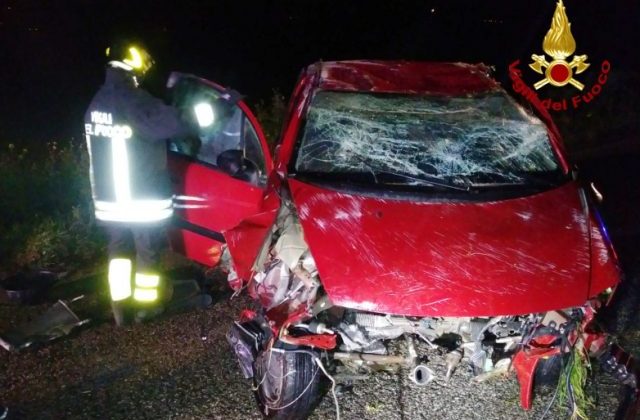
column 621, row 313
column 288, row 383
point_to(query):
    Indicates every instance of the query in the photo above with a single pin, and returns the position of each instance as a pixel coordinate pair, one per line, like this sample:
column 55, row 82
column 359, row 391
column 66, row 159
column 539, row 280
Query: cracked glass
column 468, row 139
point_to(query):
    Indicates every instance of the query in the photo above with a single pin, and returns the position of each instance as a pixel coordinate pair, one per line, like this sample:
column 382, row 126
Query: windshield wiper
column 379, row 178
column 521, row 180
column 431, row 182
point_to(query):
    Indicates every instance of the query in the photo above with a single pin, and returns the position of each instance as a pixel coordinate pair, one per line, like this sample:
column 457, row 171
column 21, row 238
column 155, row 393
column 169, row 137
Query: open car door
column 219, row 176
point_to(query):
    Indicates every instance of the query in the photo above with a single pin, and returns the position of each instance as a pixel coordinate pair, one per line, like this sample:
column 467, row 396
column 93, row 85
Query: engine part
column 506, row 327
column 58, row 321
column 382, row 327
column 273, row 284
column 355, row 340
column 434, row 328
column 554, row 318
column 501, row 368
column 322, row 304
column 373, row 321
column 380, row 360
column 421, row 375
column 290, row 245
column 309, row 264
column 319, row 328
column 364, row 332
column 452, row 359
column 367, row 358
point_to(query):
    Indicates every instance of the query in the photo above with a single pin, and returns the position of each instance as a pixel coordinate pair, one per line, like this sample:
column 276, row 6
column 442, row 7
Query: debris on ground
column 58, row 321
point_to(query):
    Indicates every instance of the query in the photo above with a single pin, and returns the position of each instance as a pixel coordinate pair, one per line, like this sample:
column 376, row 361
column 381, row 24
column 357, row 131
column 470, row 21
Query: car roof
column 404, row 77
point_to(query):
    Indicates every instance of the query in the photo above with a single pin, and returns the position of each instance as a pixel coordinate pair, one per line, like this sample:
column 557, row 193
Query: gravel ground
column 164, row 369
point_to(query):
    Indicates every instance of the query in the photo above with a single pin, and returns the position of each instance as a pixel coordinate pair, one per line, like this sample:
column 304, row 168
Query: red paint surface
column 406, row 77
column 319, row 341
column 604, row 261
column 223, row 202
column 525, row 363
column 194, row 246
column 508, row 257
column 246, row 238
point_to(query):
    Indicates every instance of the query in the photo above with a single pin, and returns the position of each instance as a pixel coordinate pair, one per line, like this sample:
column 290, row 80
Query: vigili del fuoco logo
column 561, row 70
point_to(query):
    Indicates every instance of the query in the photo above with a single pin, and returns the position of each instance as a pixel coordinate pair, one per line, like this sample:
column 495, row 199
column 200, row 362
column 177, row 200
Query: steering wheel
column 233, row 163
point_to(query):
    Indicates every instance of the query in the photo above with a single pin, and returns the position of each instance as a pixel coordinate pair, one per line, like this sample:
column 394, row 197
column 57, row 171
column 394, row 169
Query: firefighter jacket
column 126, row 130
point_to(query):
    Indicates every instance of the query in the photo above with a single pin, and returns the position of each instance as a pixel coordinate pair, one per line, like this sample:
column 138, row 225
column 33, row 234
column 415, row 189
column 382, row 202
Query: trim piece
column 207, row 233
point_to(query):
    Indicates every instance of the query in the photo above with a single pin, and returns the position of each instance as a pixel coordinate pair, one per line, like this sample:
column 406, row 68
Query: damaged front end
column 296, row 313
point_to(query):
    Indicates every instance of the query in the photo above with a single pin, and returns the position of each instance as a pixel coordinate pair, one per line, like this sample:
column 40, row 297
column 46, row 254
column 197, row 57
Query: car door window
column 222, row 127
column 252, row 146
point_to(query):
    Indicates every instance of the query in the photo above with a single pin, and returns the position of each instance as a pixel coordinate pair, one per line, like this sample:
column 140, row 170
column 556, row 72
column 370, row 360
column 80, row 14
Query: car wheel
column 621, row 312
column 287, row 383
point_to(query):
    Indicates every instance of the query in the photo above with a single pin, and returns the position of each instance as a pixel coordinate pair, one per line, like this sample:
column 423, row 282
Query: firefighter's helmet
column 130, row 57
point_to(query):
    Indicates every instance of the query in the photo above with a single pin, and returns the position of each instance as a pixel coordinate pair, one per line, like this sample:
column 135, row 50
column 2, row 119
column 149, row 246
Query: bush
column 46, row 217
column 271, row 114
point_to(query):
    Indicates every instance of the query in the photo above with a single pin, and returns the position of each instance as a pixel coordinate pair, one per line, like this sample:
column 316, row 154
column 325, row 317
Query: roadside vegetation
column 46, row 216
column 271, row 113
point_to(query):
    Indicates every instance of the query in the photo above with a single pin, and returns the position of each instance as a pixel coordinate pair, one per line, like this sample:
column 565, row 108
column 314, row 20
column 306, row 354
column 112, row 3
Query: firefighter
column 126, row 130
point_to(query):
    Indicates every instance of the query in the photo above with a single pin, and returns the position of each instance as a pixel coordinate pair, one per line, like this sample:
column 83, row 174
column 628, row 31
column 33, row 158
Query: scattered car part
column 452, row 359
column 58, row 321
column 421, row 375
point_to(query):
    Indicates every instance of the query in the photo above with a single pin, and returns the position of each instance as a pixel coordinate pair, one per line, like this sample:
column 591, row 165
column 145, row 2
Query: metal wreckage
column 407, row 203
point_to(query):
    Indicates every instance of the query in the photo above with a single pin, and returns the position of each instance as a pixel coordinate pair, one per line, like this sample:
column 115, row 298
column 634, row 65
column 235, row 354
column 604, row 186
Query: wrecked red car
column 407, row 202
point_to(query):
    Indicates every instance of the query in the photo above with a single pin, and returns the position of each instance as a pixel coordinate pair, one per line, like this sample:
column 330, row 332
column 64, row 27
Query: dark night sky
column 51, row 52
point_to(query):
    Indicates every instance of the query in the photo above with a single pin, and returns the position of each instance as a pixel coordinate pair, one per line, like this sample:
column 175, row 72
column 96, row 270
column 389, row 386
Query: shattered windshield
column 444, row 140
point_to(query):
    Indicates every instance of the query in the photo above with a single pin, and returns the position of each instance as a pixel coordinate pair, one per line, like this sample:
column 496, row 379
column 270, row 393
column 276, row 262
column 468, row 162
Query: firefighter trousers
column 134, row 267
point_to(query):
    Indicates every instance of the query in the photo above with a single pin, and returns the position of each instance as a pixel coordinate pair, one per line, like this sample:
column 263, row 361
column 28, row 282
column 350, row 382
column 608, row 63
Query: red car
column 406, row 201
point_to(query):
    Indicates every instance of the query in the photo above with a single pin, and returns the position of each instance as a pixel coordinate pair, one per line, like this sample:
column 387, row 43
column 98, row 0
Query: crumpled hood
column 414, row 258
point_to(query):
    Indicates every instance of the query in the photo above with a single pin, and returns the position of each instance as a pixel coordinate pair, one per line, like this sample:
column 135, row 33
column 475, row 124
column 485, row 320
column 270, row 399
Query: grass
column 572, row 384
